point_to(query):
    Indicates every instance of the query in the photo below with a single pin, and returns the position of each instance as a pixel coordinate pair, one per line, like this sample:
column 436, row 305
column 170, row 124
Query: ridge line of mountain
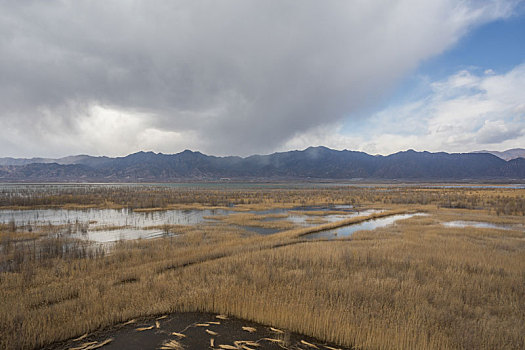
column 311, row 163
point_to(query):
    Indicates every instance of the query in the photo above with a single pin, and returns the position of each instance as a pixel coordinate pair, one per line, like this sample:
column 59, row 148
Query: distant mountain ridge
column 78, row 159
column 508, row 154
column 311, row 163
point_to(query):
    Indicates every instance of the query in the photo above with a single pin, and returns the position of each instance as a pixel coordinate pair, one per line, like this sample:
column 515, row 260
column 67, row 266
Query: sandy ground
column 193, row 331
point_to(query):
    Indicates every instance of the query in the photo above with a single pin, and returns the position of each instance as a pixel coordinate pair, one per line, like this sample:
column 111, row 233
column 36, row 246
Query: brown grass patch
column 416, row 284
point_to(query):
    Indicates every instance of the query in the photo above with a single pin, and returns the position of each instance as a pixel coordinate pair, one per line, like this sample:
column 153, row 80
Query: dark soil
column 194, row 327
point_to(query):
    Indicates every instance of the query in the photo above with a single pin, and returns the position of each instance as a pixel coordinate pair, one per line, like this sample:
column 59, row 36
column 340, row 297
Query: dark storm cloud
column 238, row 76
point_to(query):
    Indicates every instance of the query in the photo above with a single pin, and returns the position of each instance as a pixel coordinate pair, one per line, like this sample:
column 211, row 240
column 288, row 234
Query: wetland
column 79, row 261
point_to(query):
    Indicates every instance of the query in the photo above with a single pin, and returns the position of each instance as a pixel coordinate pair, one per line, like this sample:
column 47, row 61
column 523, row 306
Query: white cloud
column 465, row 112
column 97, row 130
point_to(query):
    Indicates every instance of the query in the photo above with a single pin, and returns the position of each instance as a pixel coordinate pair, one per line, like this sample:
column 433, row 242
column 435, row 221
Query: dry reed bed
column 411, row 285
column 477, row 215
column 255, row 220
column 48, row 287
column 415, row 284
column 501, row 201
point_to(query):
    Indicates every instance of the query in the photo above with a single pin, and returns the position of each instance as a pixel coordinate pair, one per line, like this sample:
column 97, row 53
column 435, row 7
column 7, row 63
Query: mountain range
column 313, row 163
column 508, row 154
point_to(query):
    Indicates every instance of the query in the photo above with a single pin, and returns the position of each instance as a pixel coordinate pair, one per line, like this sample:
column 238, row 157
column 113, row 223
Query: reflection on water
column 260, row 230
column 107, row 217
column 479, row 224
column 365, row 225
column 107, row 236
column 303, row 220
column 109, row 225
column 106, row 225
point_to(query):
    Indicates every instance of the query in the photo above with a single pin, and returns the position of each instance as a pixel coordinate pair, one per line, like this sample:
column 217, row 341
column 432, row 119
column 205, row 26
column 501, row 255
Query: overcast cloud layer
column 228, row 77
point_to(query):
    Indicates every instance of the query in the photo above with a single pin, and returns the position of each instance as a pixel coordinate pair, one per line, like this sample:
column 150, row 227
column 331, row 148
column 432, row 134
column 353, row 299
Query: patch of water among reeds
column 368, row 225
column 105, row 225
column 480, row 224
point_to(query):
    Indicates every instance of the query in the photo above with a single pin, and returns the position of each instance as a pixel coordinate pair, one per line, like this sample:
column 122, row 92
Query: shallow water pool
column 365, row 225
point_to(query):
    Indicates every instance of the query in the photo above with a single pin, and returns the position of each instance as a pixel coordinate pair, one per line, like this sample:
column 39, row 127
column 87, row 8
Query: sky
column 242, row 77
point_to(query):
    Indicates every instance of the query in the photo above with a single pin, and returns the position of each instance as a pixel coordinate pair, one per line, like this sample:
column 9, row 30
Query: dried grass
column 228, row 347
column 416, row 284
column 171, row 345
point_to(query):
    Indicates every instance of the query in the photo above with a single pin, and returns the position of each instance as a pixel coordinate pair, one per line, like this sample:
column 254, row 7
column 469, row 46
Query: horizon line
column 252, row 155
